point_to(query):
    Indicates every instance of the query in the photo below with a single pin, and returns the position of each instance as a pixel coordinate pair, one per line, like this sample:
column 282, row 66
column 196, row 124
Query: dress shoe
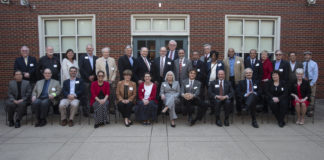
column 43, row 123
column 71, row 123
column 226, row 123
column 17, row 124
column 281, row 124
column 11, row 123
column 96, row 125
column 192, row 122
column 219, row 123
column 255, row 124
column 63, row 122
column 173, row 125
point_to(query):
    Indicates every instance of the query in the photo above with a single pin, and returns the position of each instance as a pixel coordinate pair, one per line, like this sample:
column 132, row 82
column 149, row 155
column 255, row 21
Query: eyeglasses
column 278, row 54
column 101, row 76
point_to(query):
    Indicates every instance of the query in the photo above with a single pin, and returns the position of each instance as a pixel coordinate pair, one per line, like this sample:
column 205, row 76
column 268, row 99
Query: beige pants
column 74, row 104
column 311, row 105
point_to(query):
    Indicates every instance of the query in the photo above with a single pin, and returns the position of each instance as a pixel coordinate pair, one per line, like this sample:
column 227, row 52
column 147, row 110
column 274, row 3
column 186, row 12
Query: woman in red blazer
column 99, row 99
column 146, row 108
column 267, row 70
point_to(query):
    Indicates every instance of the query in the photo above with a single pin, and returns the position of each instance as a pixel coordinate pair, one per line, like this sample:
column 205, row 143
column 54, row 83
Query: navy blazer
column 78, row 87
column 219, row 66
column 123, row 64
column 85, row 67
column 213, row 89
column 176, row 55
column 200, row 67
column 242, row 88
column 283, row 69
column 142, row 68
column 257, row 68
column 168, row 66
column 30, row 67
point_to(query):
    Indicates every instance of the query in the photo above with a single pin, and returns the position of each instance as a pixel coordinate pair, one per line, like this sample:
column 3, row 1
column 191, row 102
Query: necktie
column 221, row 88
column 26, row 61
column 190, row 85
column 180, row 67
column 147, row 65
column 306, row 72
column 161, row 67
column 107, row 69
column 250, row 86
column 171, row 55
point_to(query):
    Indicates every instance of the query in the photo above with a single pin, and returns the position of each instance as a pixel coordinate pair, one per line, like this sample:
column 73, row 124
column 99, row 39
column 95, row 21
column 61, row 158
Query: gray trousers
column 11, row 108
column 41, row 108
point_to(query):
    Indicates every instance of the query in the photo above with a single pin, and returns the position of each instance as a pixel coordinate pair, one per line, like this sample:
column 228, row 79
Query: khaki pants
column 74, row 104
column 312, row 103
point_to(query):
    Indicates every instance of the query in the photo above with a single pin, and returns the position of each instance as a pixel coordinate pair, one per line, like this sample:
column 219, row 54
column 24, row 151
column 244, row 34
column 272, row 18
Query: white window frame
column 276, row 19
column 41, row 30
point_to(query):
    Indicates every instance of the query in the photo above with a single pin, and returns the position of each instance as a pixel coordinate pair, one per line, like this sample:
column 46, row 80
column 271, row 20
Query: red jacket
column 267, row 69
column 141, row 92
column 95, row 90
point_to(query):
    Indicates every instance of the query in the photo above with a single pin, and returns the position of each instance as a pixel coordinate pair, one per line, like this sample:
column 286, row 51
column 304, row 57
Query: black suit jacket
column 85, row 67
column 283, row 69
column 176, row 55
column 142, row 68
column 305, row 89
column 281, row 91
column 242, row 88
column 200, row 67
column 213, row 89
column 123, row 64
column 168, row 66
column 53, row 64
column 257, row 68
column 29, row 68
column 78, row 87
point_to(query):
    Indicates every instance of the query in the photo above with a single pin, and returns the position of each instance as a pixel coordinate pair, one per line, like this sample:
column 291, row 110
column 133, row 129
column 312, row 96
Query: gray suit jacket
column 54, row 88
column 292, row 73
column 186, row 66
column 185, row 87
column 13, row 90
column 167, row 90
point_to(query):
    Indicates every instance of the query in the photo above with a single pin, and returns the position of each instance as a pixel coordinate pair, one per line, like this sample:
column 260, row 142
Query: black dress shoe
column 281, row 124
column 17, row 124
column 192, row 122
column 219, row 123
column 255, row 124
column 96, row 125
column 173, row 125
column 130, row 123
column 11, row 123
column 127, row 125
column 226, row 122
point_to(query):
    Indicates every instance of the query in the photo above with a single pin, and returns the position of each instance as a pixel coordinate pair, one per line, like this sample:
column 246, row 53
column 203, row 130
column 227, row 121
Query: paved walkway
column 204, row 141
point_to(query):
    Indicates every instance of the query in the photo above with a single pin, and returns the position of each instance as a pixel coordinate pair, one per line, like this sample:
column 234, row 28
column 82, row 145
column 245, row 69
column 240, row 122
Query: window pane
column 177, row 25
column 236, row 43
column 267, row 44
column 83, row 42
column 267, row 28
column 250, row 43
column 84, row 27
column 235, row 27
column 68, row 28
column 54, row 42
column 251, row 27
column 68, row 43
column 143, row 25
column 51, row 28
column 160, row 25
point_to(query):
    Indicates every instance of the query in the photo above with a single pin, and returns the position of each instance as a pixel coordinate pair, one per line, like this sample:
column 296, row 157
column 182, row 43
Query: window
column 65, row 32
column 244, row 33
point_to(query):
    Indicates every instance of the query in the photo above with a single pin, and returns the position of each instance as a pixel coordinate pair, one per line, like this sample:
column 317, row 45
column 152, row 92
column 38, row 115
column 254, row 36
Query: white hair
column 143, row 48
column 105, row 49
column 248, row 69
column 207, row 45
column 24, row 47
column 173, row 41
column 128, row 46
column 166, row 75
column 299, row 71
column 89, row 45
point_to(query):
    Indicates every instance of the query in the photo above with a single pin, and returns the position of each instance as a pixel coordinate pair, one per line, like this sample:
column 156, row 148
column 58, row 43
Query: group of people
column 169, row 84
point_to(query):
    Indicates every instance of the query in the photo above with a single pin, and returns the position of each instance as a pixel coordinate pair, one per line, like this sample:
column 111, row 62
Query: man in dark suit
column 19, row 92
column 248, row 92
column 282, row 66
column 51, row 62
column 255, row 64
column 190, row 90
column 87, row 66
column 200, row 67
column 172, row 53
column 221, row 94
column 72, row 92
column 206, row 57
column 293, row 66
column 27, row 64
column 144, row 65
column 127, row 61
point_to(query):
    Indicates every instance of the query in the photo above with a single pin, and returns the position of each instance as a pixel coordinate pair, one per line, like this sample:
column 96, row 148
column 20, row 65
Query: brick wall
column 302, row 27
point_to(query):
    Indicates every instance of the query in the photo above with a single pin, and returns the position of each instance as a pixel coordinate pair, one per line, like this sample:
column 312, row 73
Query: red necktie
column 250, row 86
column 221, row 88
column 171, row 54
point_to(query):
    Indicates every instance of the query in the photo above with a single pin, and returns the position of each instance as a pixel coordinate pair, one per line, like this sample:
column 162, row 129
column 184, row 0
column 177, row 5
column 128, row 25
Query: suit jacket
column 29, row 68
column 175, row 56
column 101, row 65
column 186, row 66
column 123, row 64
column 292, row 71
column 54, row 87
column 219, row 66
column 202, row 58
column 78, row 89
column 283, row 69
column 238, row 69
column 213, row 89
column 52, row 63
column 305, row 89
column 185, row 87
column 142, row 68
column 281, row 91
column 242, row 88
column 85, row 67
column 166, row 89
column 257, row 68
column 201, row 70
column 25, row 90
column 168, row 66
column 131, row 94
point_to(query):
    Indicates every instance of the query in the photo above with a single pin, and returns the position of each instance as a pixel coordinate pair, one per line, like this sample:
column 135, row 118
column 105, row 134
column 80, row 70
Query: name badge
column 86, row 57
column 187, row 86
column 257, row 64
column 183, row 65
column 142, row 90
column 55, row 65
column 282, row 89
column 169, row 63
column 164, row 85
column 53, row 89
column 238, row 62
column 195, row 87
column 216, row 86
column 255, row 87
column 130, row 88
column 280, row 70
column 31, row 65
column 198, row 70
column 77, row 82
column 112, row 68
column 219, row 64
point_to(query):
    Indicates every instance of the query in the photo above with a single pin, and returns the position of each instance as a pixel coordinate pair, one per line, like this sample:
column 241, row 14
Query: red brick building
column 289, row 25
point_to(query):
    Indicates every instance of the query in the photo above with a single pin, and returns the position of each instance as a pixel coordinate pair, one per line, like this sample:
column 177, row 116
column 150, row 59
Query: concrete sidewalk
column 203, row 141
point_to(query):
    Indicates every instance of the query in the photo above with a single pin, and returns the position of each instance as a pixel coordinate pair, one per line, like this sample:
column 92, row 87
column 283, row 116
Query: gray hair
column 299, row 71
column 144, row 48
column 173, row 41
column 89, row 45
column 264, row 51
column 166, row 75
column 105, row 49
column 253, row 50
column 247, row 69
column 24, row 47
column 278, row 51
column 163, row 47
column 128, row 46
column 207, row 45
column 308, row 52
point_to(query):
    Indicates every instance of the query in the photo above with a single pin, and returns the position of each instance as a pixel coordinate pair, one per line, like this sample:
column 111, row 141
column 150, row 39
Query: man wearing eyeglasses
column 282, row 66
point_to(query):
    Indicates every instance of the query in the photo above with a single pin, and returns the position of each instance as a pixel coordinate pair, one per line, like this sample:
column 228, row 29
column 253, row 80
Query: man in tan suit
column 234, row 69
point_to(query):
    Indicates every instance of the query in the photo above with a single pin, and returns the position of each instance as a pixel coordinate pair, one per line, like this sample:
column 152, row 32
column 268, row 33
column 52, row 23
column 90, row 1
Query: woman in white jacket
column 68, row 62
